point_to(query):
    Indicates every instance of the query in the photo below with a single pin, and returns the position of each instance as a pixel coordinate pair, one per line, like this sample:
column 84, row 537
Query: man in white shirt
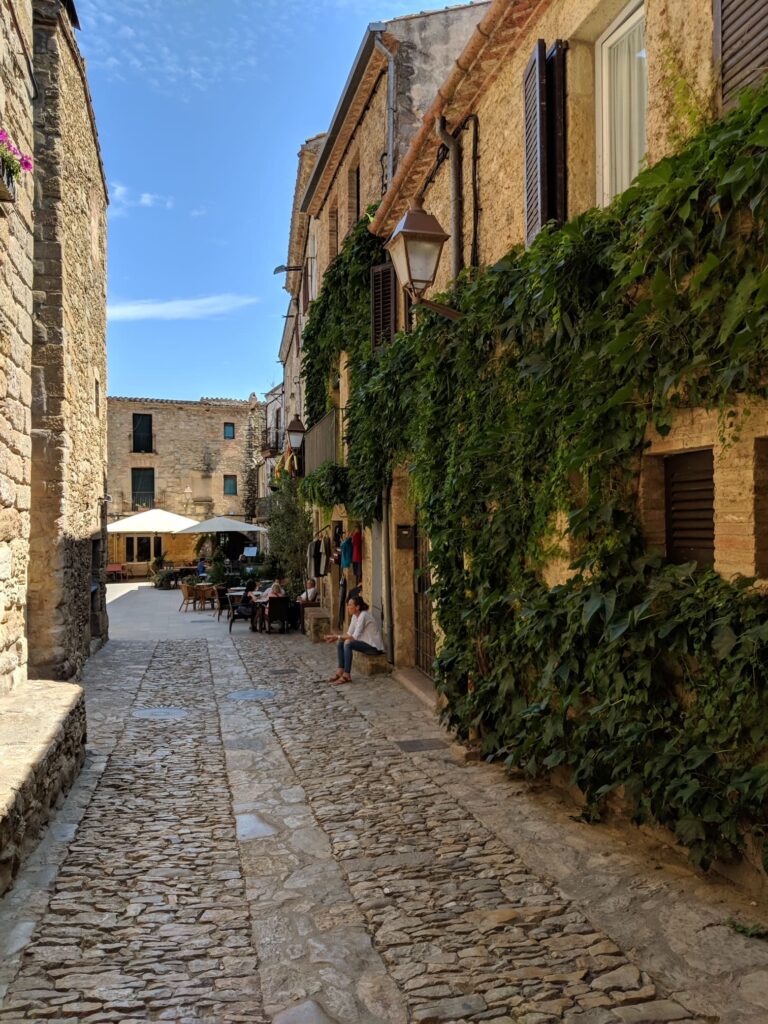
column 310, row 594
column 363, row 635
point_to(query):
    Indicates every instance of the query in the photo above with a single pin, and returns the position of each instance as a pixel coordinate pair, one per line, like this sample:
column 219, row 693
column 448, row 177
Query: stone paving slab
column 257, row 845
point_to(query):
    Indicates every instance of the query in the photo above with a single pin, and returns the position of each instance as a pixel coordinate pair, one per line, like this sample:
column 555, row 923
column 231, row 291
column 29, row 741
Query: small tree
column 290, row 531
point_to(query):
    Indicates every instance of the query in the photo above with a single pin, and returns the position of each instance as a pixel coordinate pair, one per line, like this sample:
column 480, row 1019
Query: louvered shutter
column 305, row 287
column 741, row 35
column 690, row 507
column 383, row 300
column 557, row 181
column 535, row 142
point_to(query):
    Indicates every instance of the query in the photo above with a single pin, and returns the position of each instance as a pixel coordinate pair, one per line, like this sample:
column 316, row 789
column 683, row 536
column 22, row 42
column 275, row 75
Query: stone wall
column 67, row 608
column 500, row 112
column 16, row 271
column 191, row 452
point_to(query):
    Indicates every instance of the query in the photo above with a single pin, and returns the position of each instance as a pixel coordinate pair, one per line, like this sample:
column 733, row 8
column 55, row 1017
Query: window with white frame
column 622, row 101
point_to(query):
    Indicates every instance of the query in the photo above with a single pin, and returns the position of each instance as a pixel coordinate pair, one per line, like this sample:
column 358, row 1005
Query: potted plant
column 12, row 163
column 162, row 579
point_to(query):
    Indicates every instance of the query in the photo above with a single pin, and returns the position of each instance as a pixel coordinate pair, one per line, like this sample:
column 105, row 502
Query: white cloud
column 179, row 309
column 124, row 199
column 198, row 211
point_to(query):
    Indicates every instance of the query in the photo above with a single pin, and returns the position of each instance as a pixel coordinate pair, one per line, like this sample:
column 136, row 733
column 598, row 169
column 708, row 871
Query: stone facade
column 67, row 606
column 371, row 130
column 16, row 278
column 489, row 87
column 192, row 459
column 481, row 101
column 52, row 433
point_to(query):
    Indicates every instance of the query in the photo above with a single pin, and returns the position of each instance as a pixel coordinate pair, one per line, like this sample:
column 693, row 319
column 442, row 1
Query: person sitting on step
column 363, row 636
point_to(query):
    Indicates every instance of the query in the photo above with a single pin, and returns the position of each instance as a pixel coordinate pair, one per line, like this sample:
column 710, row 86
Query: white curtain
column 627, row 70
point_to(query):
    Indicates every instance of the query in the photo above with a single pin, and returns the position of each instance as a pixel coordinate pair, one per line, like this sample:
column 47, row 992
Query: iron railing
column 272, row 442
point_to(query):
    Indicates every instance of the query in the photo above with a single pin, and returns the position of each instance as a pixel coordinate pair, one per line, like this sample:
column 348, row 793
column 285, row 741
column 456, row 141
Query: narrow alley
column 247, row 843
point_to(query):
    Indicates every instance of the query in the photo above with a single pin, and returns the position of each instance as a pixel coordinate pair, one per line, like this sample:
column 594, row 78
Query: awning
column 154, row 520
column 222, row 524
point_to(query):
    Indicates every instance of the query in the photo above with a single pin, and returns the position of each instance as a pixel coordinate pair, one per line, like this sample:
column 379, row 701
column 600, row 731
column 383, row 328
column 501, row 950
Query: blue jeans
column 345, row 649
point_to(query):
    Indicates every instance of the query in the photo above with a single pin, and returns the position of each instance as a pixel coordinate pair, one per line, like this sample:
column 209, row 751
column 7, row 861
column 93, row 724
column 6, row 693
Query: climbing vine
column 523, row 424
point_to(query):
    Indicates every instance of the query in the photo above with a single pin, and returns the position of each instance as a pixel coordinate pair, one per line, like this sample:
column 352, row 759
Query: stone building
column 52, row 472
column 396, row 72
column 183, row 456
column 67, row 607
column 582, row 54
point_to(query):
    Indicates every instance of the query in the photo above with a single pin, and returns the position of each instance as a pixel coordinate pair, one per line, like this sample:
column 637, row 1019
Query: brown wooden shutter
column 557, row 158
column 690, row 507
column 305, row 287
column 383, row 304
column 741, row 44
column 535, row 142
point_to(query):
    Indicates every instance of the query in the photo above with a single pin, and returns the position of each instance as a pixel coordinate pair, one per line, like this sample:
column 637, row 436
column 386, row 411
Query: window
column 333, row 232
column 690, row 507
column 544, row 138
column 130, row 548
column 229, row 431
column 143, row 488
column 383, row 304
column 143, row 549
column 741, row 45
column 157, row 547
column 230, row 484
column 353, row 196
column 622, row 95
column 141, row 437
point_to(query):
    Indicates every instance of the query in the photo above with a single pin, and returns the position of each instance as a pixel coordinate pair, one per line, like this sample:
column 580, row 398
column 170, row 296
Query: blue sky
column 201, row 108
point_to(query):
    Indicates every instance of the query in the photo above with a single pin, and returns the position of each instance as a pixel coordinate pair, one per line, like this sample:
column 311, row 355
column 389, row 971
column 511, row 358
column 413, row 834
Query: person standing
column 363, row 636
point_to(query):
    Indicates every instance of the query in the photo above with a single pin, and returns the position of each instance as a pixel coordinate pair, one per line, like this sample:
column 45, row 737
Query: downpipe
column 457, row 202
column 378, row 43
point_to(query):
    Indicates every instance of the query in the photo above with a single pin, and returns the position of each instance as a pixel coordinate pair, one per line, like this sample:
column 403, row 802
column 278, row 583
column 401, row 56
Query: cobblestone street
column 248, row 843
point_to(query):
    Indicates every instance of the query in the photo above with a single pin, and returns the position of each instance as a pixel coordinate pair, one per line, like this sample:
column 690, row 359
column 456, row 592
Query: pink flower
column 4, row 137
column 14, row 149
column 26, row 163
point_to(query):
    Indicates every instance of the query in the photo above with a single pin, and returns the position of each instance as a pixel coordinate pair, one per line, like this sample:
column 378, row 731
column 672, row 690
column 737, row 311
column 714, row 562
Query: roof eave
column 351, row 86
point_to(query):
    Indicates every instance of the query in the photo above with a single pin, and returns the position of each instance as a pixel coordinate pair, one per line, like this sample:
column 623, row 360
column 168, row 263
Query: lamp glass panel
column 399, row 256
column 295, row 437
column 423, row 257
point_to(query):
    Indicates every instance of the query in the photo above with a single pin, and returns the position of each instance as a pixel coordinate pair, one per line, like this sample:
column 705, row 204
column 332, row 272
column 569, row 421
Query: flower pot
column 7, row 183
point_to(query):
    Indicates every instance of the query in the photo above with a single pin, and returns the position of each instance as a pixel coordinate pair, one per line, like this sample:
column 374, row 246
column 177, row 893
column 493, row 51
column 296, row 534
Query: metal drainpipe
column 457, row 228
column 388, row 573
column 390, row 105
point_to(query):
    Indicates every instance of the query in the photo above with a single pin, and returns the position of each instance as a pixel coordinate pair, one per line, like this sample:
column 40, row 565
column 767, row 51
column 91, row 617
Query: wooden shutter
column 690, row 507
column 557, row 183
column 535, row 142
column 741, row 44
column 305, row 287
column 383, row 304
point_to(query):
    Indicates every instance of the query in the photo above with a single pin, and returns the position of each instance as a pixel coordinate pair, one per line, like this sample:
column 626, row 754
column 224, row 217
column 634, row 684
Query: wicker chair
column 237, row 610
column 187, row 596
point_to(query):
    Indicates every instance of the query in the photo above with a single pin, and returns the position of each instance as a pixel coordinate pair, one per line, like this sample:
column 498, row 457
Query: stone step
column 42, row 748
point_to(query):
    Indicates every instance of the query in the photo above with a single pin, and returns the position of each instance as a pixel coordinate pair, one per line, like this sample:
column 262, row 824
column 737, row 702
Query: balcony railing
column 272, row 442
column 143, row 444
column 321, row 442
column 141, row 500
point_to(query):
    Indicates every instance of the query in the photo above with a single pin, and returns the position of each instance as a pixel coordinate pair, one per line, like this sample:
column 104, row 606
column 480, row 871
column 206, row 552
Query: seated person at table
column 363, row 636
column 310, row 594
column 201, row 570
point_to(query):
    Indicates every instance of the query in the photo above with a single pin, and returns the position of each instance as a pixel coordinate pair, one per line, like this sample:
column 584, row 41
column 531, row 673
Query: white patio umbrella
column 154, row 520
column 222, row 524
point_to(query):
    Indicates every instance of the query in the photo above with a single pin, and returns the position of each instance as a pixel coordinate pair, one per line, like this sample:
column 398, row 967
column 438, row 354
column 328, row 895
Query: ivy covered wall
column 528, row 418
